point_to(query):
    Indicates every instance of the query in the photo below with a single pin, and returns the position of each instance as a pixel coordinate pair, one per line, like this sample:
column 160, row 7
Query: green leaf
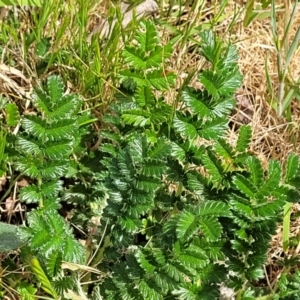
column 42, row 101
column 60, row 130
column 273, row 182
column 73, row 251
column 143, row 96
column 33, row 194
column 48, row 232
column 161, row 81
column 184, row 293
column 9, row 239
column 128, row 224
column 164, row 282
column 191, row 262
column 178, row 152
column 51, row 189
column 159, row 256
column 135, row 57
column 210, row 45
column 211, row 228
column 244, row 138
column 30, row 194
column 35, row 126
column 213, row 208
column 159, row 55
column 185, row 128
column 136, row 118
column 292, row 168
column 223, row 107
column 153, row 168
column 148, row 184
column 53, row 265
column 244, row 185
column 147, row 36
column 196, row 185
column 109, row 148
column 224, row 149
column 55, row 87
column 26, row 290
column 224, row 82
column 65, row 108
column 43, row 279
column 197, row 101
column 187, row 225
column 147, row 292
column 28, row 167
column 256, row 171
column 54, row 169
column 242, row 208
column 28, row 146
column 159, row 150
column 144, row 263
column 224, row 77
column 57, row 150
column 213, row 166
column 134, row 75
column 12, row 114
column 213, row 129
column 173, row 272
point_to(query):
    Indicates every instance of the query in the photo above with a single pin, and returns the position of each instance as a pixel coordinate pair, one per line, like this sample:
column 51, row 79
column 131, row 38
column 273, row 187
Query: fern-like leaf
column 244, row 138
column 148, row 292
column 213, row 129
column 220, row 83
column 12, row 114
column 197, row 101
column 244, row 185
column 213, row 166
column 28, row 146
column 212, row 208
column 187, row 225
column 273, row 182
column 57, row 150
column 53, row 264
column 184, row 127
column 55, row 87
column 159, row 80
column 292, row 168
column 35, row 126
column 211, row 228
column 43, row 279
column 256, row 171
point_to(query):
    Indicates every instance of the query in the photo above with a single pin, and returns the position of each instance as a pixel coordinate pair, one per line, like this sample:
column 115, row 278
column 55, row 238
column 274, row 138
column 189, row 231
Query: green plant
column 181, row 209
column 45, row 150
column 181, row 200
column 43, row 153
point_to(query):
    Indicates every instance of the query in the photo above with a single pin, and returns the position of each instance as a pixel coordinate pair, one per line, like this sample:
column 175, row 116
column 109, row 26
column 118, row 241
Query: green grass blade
column 286, row 226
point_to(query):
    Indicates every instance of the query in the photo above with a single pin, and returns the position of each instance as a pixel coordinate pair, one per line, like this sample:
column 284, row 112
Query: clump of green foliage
column 181, row 210
column 185, row 208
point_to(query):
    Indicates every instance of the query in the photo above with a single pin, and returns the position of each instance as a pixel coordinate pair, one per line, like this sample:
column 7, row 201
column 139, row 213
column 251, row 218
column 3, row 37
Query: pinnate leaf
column 186, row 225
